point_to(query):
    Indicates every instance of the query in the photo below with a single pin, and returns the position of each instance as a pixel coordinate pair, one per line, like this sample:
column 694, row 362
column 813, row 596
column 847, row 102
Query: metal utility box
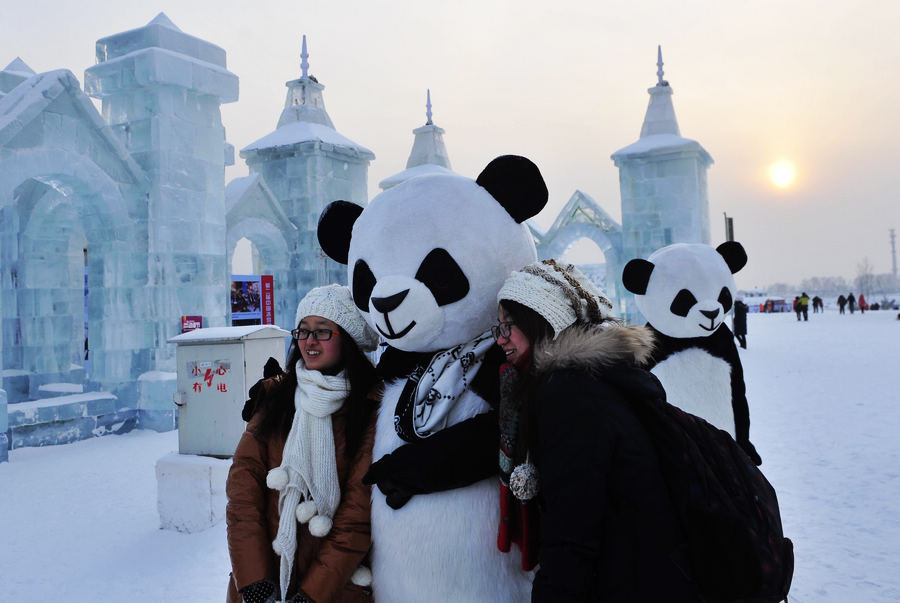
column 216, row 367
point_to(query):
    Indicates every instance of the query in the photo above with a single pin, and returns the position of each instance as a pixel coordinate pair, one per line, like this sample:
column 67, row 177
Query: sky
column 565, row 84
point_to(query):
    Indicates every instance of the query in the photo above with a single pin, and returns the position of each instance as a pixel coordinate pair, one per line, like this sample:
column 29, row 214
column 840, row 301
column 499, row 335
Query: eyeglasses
column 503, row 329
column 318, row 334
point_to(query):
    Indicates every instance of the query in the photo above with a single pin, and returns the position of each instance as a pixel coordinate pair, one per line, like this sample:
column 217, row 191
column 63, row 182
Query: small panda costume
column 425, row 262
column 685, row 291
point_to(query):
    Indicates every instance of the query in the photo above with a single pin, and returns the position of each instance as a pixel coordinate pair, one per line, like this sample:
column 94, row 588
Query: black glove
column 451, row 458
column 396, row 493
column 262, row 591
column 271, row 369
column 750, row 450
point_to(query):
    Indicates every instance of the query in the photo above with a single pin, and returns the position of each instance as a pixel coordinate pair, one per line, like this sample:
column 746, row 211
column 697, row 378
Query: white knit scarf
column 309, row 460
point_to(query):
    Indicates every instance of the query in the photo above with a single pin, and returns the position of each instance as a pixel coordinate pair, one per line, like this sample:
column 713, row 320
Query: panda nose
column 710, row 314
column 387, row 304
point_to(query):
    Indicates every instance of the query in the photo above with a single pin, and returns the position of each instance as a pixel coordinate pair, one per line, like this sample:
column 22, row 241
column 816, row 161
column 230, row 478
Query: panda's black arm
column 739, row 406
column 451, row 458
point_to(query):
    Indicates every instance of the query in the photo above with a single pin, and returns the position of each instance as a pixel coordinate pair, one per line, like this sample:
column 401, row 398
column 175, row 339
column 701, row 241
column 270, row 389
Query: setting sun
column 782, row 173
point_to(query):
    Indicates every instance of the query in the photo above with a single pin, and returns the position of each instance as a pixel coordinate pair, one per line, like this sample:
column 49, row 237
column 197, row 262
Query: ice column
column 161, row 90
column 662, row 181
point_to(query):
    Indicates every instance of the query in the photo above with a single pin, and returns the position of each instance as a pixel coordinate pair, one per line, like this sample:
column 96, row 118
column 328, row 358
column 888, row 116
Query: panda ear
column 734, row 255
column 516, row 183
column 335, row 227
column 636, row 275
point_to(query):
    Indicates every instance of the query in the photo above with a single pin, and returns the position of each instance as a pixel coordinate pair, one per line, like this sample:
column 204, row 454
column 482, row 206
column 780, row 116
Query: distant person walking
column 841, row 302
column 851, row 302
column 817, row 305
column 804, row 306
column 739, row 322
column 796, row 306
column 863, row 304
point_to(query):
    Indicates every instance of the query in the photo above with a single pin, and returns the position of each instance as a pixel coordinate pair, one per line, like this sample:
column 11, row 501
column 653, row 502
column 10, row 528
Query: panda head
column 426, row 258
column 686, row 290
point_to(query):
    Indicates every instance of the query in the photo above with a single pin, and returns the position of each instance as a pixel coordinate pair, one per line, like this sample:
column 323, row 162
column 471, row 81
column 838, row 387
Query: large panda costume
column 425, row 262
column 685, row 291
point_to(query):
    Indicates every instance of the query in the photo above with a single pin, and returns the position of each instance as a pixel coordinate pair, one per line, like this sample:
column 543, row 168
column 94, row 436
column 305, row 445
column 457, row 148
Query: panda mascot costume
column 685, row 291
column 425, row 261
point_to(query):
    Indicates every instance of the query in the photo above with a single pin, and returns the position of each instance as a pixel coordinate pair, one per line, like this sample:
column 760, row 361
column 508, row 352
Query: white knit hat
column 562, row 294
column 335, row 303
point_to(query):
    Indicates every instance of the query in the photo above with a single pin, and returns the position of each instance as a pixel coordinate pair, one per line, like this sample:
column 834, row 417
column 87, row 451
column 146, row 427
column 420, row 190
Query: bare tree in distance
column 865, row 276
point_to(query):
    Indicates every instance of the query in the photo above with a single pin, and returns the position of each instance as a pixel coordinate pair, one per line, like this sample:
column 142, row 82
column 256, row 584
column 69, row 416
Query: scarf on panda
column 431, row 390
column 307, row 480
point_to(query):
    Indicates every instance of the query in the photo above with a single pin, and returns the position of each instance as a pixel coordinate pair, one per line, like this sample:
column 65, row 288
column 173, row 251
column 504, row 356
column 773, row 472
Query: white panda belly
column 441, row 546
column 699, row 383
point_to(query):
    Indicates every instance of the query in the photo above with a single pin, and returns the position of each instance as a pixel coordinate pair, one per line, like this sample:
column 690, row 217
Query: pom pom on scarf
column 277, row 479
column 320, row 525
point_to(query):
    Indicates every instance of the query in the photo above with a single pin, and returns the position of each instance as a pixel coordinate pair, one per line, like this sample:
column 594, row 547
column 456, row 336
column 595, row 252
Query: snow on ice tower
column 161, row 92
column 307, row 164
column 662, row 180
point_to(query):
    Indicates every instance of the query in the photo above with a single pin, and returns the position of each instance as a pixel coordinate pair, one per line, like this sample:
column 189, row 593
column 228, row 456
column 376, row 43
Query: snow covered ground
column 79, row 522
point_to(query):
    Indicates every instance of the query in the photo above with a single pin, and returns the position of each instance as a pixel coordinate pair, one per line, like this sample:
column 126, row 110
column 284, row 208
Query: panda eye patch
column 443, row 277
column 683, row 303
column 725, row 299
column 363, row 283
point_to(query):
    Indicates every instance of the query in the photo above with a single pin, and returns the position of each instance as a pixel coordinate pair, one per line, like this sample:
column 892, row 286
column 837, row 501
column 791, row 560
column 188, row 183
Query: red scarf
column 519, row 520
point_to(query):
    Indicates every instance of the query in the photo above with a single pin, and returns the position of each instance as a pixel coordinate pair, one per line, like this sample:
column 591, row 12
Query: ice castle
column 114, row 224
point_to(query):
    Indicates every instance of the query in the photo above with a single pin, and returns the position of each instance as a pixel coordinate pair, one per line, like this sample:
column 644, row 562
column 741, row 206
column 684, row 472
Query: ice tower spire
column 304, row 63
column 660, row 117
column 304, row 100
column 428, row 155
column 659, row 67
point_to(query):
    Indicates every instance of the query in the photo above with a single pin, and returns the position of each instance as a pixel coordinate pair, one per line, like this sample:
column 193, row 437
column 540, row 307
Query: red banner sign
column 268, row 299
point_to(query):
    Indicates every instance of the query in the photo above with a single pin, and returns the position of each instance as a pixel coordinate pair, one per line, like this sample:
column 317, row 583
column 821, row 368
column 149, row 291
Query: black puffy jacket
column 608, row 531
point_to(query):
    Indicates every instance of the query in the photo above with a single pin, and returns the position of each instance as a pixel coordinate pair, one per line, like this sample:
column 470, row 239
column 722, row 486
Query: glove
column 454, row 457
column 750, row 450
column 395, row 492
column 261, row 591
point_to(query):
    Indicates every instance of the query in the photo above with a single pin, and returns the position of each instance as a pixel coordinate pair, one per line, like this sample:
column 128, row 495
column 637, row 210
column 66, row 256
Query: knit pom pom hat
column 560, row 293
column 335, row 303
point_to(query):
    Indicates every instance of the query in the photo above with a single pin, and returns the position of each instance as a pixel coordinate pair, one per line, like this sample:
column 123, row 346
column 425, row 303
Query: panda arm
column 739, row 406
column 454, row 457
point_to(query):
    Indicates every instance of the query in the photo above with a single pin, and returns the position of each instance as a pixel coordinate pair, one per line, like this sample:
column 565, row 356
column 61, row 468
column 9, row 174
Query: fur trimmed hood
column 593, row 348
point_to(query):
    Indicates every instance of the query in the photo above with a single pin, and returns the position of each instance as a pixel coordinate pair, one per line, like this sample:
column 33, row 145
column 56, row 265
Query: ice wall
column 67, row 184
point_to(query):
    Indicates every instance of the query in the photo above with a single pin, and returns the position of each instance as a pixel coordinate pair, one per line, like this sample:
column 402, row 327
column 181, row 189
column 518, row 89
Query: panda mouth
column 391, row 334
column 712, row 326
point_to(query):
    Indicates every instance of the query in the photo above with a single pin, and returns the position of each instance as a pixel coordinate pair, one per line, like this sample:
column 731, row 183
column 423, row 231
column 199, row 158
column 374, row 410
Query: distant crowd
column 802, row 303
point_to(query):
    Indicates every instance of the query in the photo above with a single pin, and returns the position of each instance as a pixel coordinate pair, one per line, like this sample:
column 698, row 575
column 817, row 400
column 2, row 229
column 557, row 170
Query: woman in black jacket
column 572, row 446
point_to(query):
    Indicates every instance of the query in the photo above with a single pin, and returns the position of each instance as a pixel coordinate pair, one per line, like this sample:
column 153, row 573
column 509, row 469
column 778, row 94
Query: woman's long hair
column 279, row 414
column 537, row 330
column 534, row 326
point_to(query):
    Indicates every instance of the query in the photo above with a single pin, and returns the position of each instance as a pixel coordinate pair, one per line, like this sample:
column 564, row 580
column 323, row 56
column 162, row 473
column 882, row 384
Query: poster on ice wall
column 252, row 299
